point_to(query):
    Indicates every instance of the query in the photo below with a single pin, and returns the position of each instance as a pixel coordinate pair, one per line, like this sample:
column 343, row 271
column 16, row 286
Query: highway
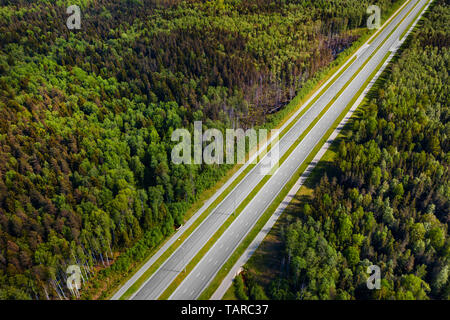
column 196, row 281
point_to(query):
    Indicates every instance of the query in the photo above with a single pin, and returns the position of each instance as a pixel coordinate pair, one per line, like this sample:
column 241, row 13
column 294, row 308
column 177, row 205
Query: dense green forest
column 385, row 197
column 87, row 115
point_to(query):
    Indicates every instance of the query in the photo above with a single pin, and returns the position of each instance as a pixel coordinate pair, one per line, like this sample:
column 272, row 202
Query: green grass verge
column 230, row 295
column 410, row 25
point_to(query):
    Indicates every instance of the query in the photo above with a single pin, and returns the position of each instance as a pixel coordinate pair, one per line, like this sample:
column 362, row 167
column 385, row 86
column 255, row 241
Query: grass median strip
column 212, row 287
column 410, row 25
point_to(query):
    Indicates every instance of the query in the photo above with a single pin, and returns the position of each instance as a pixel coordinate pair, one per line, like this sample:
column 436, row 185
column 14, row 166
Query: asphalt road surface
column 197, row 280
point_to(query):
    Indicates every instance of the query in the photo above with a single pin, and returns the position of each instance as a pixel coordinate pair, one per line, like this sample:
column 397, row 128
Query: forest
column 87, row 115
column 384, row 198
